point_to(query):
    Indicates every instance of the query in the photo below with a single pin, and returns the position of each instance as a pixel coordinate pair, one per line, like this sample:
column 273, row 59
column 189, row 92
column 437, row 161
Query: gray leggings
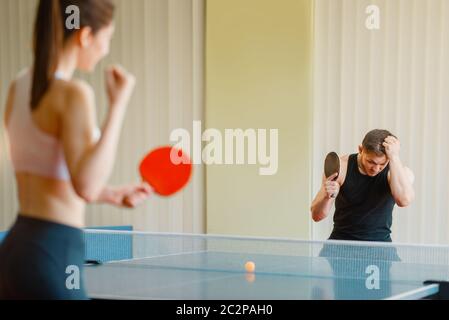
column 42, row 260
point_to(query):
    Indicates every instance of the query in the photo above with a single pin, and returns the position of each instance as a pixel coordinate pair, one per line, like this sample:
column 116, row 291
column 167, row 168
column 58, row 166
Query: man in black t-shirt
column 368, row 186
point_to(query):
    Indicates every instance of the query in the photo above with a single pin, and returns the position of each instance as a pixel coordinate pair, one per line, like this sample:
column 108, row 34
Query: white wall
column 259, row 59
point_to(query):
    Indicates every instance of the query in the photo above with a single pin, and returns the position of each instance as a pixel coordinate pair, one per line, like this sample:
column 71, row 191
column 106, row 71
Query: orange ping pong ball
column 250, row 266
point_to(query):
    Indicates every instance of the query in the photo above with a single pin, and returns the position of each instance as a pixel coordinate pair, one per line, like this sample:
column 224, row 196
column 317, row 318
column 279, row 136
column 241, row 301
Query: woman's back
column 37, row 154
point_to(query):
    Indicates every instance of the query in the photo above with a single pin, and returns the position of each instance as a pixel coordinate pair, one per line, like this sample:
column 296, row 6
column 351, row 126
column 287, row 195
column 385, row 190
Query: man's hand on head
column 392, row 147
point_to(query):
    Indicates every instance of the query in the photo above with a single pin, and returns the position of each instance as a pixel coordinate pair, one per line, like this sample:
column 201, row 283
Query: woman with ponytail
column 61, row 160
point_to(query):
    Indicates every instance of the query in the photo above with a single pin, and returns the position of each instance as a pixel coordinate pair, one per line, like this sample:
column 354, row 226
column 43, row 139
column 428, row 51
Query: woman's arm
column 129, row 196
column 90, row 163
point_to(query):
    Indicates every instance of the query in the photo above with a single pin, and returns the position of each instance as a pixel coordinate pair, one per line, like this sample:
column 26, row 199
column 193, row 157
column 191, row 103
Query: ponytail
column 48, row 39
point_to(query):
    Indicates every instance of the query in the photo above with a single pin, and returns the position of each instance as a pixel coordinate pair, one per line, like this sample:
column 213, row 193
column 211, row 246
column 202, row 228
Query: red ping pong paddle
column 166, row 169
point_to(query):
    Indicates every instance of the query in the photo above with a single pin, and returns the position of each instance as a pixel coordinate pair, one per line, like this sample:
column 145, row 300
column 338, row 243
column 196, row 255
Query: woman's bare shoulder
column 74, row 93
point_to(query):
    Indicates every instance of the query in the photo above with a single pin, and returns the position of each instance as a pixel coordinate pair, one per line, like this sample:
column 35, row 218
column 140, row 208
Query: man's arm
column 401, row 181
column 323, row 201
column 400, row 177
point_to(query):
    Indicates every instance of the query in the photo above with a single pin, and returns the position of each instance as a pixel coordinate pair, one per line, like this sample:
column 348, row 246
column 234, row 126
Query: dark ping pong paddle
column 331, row 166
column 167, row 170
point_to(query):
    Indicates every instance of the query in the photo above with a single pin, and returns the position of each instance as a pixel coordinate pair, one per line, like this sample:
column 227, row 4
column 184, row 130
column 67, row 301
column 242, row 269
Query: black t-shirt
column 364, row 206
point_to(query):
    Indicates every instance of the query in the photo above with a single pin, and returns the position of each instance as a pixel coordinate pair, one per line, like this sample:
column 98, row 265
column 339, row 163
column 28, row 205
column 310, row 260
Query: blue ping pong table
column 202, row 267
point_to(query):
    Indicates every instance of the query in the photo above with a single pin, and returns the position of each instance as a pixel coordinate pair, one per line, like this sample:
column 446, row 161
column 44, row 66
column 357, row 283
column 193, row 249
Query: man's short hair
column 374, row 139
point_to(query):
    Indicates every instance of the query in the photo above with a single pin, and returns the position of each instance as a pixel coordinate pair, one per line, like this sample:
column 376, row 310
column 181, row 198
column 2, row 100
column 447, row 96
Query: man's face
column 371, row 163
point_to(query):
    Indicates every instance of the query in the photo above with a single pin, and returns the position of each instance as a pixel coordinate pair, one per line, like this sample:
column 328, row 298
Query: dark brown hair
column 50, row 35
column 374, row 139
